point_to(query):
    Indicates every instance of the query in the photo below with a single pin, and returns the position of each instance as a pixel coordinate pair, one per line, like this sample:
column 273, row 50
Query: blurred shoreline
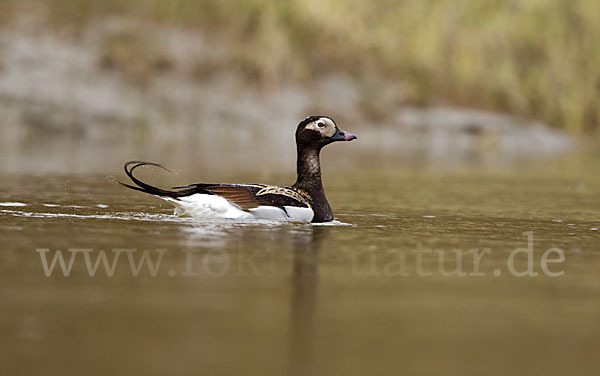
column 87, row 101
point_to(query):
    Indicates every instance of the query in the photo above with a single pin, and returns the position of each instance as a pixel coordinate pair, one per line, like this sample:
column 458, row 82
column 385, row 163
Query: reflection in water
column 304, row 299
column 304, row 243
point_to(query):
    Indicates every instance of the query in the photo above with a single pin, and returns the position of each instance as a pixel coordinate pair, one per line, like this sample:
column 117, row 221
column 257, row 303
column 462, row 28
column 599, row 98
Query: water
column 349, row 298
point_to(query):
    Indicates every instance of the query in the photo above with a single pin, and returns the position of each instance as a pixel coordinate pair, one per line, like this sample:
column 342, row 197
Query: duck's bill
column 343, row 136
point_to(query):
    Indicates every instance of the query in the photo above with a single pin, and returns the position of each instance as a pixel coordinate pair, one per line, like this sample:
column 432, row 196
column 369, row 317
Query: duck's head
column 318, row 131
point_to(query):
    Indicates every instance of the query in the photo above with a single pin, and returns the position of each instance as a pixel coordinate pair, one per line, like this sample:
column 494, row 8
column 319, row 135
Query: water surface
column 349, row 298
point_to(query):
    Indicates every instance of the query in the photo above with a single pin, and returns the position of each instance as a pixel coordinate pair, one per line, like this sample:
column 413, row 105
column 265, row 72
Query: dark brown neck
column 309, row 179
column 308, row 168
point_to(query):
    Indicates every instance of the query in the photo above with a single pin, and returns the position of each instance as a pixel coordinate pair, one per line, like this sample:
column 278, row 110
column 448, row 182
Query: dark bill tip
column 343, row 136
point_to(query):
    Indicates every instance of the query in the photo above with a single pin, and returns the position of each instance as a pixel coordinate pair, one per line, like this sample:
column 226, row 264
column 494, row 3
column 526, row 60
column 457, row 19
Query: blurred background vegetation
column 535, row 58
column 158, row 78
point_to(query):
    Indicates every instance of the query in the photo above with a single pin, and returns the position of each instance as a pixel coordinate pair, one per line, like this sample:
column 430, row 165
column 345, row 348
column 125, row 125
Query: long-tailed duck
column 304, row 201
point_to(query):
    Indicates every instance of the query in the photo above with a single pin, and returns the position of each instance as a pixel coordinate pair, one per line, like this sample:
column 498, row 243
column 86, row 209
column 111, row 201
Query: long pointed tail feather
column 147, row 188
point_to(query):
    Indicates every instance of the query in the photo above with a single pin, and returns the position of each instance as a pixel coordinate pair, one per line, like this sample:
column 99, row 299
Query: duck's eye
column 321, row 124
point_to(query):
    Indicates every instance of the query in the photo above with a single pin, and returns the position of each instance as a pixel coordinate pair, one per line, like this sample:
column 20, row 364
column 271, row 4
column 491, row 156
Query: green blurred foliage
column 536, row 58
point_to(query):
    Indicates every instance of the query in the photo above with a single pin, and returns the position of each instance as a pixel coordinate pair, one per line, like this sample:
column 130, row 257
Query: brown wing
column 250, row 196
column 238, row 195
column 282, row 196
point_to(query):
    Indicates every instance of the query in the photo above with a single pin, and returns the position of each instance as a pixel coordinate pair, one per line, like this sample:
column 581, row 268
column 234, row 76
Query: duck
column 304, row 201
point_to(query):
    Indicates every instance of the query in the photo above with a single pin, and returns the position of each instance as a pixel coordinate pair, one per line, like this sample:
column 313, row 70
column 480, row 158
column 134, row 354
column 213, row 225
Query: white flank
column 269, row 212
column 206, row 206
column 297, row 214
column 212, row 206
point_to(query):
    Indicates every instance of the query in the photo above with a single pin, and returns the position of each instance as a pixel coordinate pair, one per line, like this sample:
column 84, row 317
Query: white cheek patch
column 329, row 127
column 327, row 131
column 313, row 126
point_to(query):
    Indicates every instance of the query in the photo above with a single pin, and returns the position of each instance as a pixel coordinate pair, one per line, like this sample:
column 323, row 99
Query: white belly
column 212, row 206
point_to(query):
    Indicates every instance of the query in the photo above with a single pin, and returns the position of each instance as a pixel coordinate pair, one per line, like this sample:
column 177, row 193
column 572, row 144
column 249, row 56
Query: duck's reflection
column 304, row 281
column 299, row 244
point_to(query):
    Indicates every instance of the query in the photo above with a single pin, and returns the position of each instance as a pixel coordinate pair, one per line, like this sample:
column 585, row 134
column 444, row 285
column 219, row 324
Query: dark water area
column 392, row 286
